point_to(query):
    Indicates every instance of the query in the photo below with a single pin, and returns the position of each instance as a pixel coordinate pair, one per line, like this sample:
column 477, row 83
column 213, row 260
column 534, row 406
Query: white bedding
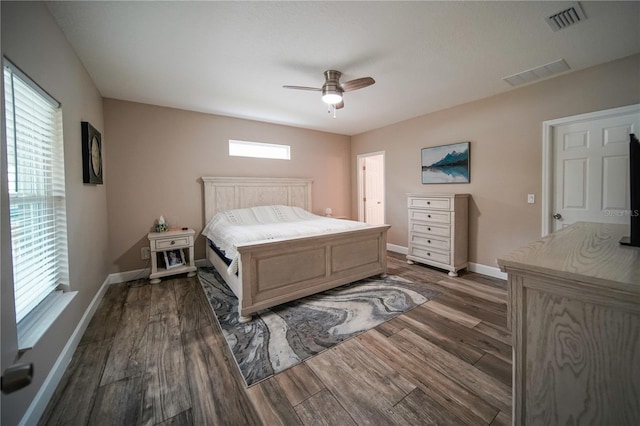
column 231, row 228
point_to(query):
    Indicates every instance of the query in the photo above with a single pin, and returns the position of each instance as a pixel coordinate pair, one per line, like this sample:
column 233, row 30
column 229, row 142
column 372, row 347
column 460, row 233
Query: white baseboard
column 473, row 267
column 42, row 398
column 487, row 270
column 203, row 263
column 121, row 277
column 397, row 249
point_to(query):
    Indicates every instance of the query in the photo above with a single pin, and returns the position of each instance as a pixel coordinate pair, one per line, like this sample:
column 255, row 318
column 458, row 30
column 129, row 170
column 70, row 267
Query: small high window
column 259, row 150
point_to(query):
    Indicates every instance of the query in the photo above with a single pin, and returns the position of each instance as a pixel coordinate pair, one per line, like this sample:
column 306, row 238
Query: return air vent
column 533, row 74
column 567, row 17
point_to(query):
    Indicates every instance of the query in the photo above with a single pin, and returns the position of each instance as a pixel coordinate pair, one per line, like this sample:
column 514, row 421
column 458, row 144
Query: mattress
column 231, row 228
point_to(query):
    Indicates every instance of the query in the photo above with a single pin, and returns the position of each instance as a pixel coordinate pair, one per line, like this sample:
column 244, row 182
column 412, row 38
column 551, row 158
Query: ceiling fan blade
column 315, row 89
column 340, row 105
column 358, row 83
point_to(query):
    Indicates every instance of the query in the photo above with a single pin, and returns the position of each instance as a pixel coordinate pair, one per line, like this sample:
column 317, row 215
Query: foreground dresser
column 574, row 306
column 438, row 230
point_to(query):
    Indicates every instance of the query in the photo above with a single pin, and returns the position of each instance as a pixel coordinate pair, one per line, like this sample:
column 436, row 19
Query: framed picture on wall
column 91, row 154
column 446, row 163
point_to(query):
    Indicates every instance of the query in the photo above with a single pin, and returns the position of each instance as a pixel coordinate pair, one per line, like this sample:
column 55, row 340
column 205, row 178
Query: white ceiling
column 232, row 58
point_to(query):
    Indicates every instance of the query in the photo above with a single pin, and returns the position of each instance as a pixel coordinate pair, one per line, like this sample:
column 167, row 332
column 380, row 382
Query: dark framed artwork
column 446, row 163
column 91, row 154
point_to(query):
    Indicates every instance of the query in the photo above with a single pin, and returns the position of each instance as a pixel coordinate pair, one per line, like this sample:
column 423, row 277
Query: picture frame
column 174, row 258
column 92, row 171
column 446, row 163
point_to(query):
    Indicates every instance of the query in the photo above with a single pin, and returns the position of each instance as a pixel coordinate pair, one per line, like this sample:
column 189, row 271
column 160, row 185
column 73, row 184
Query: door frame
column 360, row 184
column 547, row 153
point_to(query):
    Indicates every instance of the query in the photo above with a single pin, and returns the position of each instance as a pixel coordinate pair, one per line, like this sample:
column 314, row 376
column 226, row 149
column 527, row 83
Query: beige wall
column 32, row 40
column 505, row 132
column 156, row 156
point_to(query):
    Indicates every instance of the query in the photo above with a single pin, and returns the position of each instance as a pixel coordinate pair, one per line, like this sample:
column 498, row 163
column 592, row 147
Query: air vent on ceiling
column 567, row 17
column 536, row 73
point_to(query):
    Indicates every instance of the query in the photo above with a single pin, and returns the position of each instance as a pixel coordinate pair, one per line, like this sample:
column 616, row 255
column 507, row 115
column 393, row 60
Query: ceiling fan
column 332, row 89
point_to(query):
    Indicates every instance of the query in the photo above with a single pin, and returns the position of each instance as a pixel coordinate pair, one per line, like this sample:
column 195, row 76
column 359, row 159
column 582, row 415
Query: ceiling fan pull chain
column 334, row 110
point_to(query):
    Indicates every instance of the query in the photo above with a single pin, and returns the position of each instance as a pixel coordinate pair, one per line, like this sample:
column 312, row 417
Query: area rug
column 284, row 336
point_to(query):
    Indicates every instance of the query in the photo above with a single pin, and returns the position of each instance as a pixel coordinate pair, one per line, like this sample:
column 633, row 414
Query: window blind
column 35, row 176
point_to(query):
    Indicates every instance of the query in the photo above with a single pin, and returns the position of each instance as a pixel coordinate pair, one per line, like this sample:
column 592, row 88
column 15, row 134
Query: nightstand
column 167, row 241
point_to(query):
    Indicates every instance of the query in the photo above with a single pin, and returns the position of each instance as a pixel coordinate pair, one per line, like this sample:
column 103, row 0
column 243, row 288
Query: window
column 259, row 150
column 35, row 177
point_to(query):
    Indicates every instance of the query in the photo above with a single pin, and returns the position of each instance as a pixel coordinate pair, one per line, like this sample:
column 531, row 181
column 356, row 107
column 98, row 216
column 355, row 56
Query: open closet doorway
column 371, row 196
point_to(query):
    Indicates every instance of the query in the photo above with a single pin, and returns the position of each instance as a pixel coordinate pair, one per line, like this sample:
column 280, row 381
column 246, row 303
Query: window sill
column 38, row 321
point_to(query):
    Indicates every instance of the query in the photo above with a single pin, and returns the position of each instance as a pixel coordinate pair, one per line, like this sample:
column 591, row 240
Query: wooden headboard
column 226, row 193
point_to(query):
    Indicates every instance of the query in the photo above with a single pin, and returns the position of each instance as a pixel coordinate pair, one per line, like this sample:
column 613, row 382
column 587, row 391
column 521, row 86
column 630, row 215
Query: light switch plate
column 531, row 198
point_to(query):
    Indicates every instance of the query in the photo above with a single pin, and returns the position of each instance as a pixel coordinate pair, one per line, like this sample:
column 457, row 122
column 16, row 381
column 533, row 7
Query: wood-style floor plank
column 159, row 348
column 127, row 357
column 193, row 308
column 451, row 313
column 352, row 382
column 271, row 404
column 299, row 383
column 118, row 403
column 476, row 289
column 464, row 404
column 167, row 393
column 419, row 409
column 218, row 396
column 461, row 339
column 106, row 321
column 489, row 388
column 73, row 401
column 322, row 409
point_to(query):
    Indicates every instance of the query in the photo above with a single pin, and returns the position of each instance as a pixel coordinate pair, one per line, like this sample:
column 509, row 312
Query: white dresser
column 438, row 230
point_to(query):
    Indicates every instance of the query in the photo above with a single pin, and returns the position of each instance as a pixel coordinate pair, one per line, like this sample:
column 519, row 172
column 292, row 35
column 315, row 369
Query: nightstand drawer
column 172, row 243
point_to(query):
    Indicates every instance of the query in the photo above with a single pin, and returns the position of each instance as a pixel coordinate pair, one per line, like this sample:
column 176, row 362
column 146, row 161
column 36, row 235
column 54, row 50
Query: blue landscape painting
column 446, row 163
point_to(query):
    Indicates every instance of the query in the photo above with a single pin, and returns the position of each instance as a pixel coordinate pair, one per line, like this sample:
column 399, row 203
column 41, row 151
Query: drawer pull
column 429, row 229
column 428, row 254
column 429, row 241
column 428, row 215
column 172, row 242
column 428, row 202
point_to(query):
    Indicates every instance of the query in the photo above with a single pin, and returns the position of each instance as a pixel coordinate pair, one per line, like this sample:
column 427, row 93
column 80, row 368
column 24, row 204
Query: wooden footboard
column 280, row 271
column 274, row 272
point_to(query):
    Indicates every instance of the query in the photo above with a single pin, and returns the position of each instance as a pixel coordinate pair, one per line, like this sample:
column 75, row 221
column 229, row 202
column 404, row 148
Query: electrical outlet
column 531, row 198
column 145, row 253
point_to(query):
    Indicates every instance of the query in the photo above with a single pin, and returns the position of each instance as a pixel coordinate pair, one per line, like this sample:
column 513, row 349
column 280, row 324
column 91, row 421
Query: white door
column 371, row 204
column 591, row 170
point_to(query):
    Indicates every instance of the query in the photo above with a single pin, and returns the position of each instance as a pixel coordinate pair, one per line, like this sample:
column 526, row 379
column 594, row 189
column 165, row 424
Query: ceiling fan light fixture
column 331, row 96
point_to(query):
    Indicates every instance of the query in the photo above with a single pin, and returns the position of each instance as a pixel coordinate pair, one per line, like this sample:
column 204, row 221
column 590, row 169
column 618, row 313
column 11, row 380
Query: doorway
column 586, row 168
column 371, row 184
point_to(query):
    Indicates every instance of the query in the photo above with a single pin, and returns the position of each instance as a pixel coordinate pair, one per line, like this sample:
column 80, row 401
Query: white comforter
column 231, row 228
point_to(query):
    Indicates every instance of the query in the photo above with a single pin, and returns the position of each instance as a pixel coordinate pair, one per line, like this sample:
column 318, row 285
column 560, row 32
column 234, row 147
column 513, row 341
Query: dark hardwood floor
column 155, row 355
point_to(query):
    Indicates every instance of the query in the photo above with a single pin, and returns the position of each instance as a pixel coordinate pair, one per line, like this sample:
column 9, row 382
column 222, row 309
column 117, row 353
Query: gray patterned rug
column 283, row 336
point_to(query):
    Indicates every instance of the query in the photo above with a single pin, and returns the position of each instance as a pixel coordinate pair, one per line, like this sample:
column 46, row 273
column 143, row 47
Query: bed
column 270, row 272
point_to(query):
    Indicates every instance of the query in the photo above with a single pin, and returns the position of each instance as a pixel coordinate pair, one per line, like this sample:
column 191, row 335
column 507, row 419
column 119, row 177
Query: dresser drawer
column 428, row 254
column 430, row 216
column 172, row 243
column 430, row 242
column 440, row 230
column 437, row 203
